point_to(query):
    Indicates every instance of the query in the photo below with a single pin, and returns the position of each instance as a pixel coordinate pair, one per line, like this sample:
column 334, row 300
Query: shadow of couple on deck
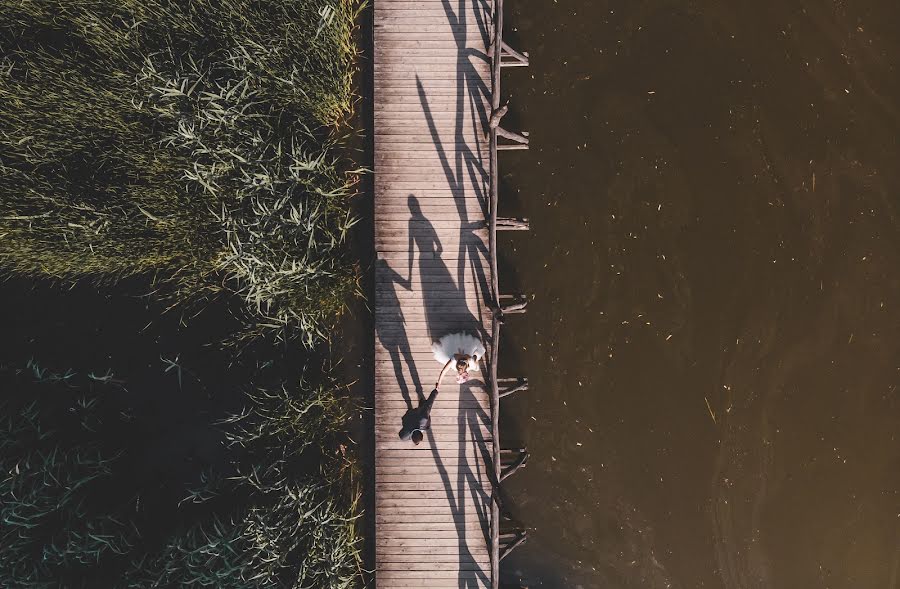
column 444, row 301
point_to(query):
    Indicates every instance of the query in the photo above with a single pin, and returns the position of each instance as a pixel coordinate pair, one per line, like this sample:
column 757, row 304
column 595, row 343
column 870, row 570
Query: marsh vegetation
column 72, row 513
column 194, row 142
column 159, row 159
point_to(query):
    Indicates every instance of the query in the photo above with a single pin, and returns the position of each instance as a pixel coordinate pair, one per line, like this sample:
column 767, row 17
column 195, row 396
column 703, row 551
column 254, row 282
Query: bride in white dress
column 461, row 349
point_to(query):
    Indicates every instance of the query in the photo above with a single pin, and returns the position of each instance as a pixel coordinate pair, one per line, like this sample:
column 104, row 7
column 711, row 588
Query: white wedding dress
column 458, row 343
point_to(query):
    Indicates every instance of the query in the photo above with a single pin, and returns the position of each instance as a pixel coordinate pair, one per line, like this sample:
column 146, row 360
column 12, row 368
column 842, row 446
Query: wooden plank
column 436, row 575
column 429, row 116
column 394, row 414
column 422, row 17
column 462, row 502
column 444, row 518
column 401, row 565
column 439, row 583
column 459, row 558
column 431, row 485
column 463, row 522
column 472, row 270
column 457, row 487
column 452, row 499
column 431, row 184
column 404, row 565
column 435, row 94
column 443, row 440
column 392, row 405
column 401, row 529
column 452, row 198
column 446, row 67
column 452, row 408
column 463, row 560
column 432, row 462
column 400, row 407
column 412, row 498
column 414, row 109
column 468, row 545
column 415, row 100
column 450, row 411
column 399, row 297
column 429, row 444
column 440, row 455
column 391, row 329
column 429, row 578
column 387, row 374
column 392, row 366
column 449, row 395
column 432, row 275
column 465, row 532
column 389, row 266
column 451, row 471
column 452, row 205
column 439, row 429
column 402, row 255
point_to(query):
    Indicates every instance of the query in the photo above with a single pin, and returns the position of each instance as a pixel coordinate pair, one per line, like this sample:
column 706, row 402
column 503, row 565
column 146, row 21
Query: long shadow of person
column 390, row 329
column 445, row 303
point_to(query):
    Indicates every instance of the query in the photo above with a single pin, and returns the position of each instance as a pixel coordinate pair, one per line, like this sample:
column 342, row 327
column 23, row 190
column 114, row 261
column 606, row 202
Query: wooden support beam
column 512, row 146
column 511, row 450
column 512, row 57
column 520, row 307
column 518, row 463
column 510, row 303
column 509, row 547
column 511, row 224
column 513, row 385
column 496, row 116
column 512, row 135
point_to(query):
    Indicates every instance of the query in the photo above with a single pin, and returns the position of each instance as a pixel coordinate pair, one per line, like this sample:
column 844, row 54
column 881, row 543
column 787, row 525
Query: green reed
column 45, row 486
column 301, row 535
column 270, row 523
column 197, row 143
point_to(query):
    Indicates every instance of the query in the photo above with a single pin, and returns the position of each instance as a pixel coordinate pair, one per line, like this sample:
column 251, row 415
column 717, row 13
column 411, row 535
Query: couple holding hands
column 459, row 350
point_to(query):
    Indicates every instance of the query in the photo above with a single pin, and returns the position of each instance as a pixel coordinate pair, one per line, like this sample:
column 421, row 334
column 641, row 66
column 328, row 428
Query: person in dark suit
column 417, row 420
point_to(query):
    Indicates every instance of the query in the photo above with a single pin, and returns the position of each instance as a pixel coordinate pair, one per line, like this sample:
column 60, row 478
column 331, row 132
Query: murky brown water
column 714, row 340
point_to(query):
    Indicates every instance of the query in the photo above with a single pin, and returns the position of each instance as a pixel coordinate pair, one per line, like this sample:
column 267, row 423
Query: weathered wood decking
column 432, row 84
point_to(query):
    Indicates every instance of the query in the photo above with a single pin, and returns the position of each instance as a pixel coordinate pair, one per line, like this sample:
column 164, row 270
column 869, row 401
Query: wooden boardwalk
column 432, row 84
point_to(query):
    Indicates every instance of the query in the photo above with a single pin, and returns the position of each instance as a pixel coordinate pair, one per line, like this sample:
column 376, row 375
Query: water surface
column 714, row 338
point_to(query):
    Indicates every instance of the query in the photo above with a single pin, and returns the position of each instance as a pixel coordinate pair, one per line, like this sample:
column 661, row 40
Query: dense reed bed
column 72, row 516
column 194, row 142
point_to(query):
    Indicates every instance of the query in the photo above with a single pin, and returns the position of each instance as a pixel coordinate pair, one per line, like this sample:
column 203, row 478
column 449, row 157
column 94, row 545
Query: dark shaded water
column 714, row 340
